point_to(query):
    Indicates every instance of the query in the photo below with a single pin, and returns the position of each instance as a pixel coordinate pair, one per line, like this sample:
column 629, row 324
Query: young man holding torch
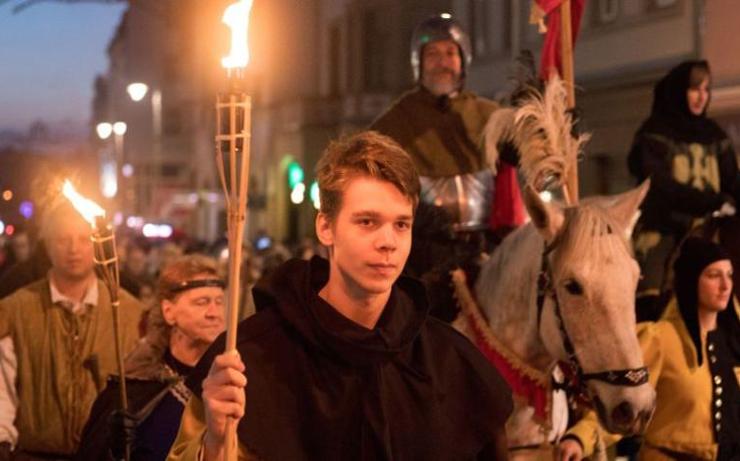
column 342, row 359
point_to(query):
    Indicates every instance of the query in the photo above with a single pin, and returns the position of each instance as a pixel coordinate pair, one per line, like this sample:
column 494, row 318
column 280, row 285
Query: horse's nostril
column 623, row 414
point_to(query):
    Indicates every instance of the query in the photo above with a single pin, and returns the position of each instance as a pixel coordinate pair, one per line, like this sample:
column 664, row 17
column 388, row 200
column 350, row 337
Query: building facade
column 323, row 68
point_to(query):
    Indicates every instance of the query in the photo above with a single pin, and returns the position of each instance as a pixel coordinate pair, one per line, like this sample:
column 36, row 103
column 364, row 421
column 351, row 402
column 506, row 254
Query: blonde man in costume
column 61, row 351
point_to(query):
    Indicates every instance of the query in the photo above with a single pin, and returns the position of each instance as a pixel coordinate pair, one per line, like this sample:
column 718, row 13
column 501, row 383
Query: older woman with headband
column 186, row 320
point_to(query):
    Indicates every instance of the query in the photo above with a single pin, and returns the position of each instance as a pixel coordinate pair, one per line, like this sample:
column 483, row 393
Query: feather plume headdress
column 542, row 133
column 540, row 128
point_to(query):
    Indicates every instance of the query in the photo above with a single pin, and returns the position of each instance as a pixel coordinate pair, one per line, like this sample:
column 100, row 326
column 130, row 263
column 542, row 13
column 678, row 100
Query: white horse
column 583, row 312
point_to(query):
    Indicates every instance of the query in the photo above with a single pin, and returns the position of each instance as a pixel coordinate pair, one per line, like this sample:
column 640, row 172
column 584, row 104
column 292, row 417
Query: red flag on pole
column 551, row 56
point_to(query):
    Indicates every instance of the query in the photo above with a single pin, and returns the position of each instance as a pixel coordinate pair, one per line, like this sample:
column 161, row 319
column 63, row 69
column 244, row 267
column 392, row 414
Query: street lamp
column 104, row 130
column 109, row 176
column 119, row 129
column 137, row 90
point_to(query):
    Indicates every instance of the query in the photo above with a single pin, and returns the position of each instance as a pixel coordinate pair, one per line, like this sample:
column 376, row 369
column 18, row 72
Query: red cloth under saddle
column 536, row 394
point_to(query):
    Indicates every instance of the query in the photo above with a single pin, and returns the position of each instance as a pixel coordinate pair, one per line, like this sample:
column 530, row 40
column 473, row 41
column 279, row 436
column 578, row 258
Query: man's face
column 70, row 248
column 197, row 314
column 369, row 239
column 136, row 261
column 441, row 67
column 21, row 247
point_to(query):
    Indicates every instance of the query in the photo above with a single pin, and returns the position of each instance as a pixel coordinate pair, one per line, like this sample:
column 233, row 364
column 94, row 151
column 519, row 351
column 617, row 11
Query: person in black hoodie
column 693, row 171
column 342, row 360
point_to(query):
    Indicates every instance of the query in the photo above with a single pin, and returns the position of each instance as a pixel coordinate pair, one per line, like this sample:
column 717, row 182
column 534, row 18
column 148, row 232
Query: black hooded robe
column 322, row 387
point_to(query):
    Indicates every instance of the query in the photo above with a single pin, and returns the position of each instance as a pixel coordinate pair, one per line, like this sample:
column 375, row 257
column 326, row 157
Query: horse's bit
column 631, row 377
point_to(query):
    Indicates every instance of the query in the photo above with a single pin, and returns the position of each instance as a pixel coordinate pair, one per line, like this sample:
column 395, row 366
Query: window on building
column 489, row 24
column 374, row 50
column 663, row 3
column 661, row 6
column 478, row 10
column 606, row 11
column 170, row 170
column 335, row 70
column 172, row 120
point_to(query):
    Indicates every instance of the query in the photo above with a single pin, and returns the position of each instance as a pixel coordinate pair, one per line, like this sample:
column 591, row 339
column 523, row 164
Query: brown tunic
column 442, row 137
column 54, row 347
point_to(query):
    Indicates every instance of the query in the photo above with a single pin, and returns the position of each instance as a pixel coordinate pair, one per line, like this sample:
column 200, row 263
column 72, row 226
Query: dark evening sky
column 49, row 56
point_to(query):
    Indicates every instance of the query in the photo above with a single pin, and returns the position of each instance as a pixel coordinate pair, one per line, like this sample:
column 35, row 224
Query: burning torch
column 106, row 260
column 233, row 133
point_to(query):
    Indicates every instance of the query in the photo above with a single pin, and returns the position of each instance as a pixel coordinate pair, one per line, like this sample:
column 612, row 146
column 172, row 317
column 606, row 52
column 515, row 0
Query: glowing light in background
column 119, row 128
column 313, row 193
column 137, row 90
column 104, row 130
column 7, row 195
column 134, row 222
column 26, row 209
column 127, row 170
column 108, row 180
column 151, row 230
column 295, row 174
column 298, row 193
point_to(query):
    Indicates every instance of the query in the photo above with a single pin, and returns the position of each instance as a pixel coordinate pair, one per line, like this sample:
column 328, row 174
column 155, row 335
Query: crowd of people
column 337, row 356
column 59, row 388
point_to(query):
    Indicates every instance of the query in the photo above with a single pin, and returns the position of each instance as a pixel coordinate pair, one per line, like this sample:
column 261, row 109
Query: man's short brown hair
column 368, row 154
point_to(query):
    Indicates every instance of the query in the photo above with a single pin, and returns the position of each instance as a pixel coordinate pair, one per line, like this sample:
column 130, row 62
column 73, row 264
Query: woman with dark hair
column 183, row 323
column 693, row 355
column 692, row 168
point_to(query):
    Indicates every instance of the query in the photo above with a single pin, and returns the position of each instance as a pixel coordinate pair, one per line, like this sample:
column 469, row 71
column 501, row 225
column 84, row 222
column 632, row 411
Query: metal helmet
column 439, row 27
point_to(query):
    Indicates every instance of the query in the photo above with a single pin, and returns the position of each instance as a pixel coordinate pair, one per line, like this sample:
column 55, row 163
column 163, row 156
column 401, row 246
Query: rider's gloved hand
column 726, row 209
column 725, row 206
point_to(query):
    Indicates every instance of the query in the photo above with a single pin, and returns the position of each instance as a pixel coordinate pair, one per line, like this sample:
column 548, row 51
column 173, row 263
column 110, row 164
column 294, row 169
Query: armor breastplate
column 466, row 198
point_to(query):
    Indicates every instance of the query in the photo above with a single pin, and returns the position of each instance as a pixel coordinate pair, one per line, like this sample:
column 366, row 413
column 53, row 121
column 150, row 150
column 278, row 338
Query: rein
column 630, row 377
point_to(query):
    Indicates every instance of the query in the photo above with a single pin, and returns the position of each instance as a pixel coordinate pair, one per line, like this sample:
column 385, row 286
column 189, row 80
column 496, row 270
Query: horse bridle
column 630, row 377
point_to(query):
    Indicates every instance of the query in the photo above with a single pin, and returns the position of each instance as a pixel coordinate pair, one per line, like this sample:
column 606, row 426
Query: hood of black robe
column 696, row 254
column 670, row 114
column 293, row 291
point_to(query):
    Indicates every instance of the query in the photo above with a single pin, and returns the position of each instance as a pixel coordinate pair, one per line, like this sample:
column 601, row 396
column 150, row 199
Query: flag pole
column 566, row 63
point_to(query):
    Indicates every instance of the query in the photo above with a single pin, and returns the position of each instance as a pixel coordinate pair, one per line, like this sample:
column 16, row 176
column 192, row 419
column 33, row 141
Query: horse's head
column 588, row 312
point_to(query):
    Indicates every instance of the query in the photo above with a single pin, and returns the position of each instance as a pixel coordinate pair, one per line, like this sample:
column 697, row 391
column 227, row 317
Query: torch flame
column 236, row 16
column 86, row 207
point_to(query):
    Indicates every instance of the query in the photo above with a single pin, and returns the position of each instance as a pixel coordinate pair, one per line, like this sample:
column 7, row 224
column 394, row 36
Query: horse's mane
column 584, row 230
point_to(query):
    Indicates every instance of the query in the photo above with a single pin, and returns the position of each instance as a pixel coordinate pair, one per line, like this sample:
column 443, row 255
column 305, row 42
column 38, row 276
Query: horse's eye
column 574, row 287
